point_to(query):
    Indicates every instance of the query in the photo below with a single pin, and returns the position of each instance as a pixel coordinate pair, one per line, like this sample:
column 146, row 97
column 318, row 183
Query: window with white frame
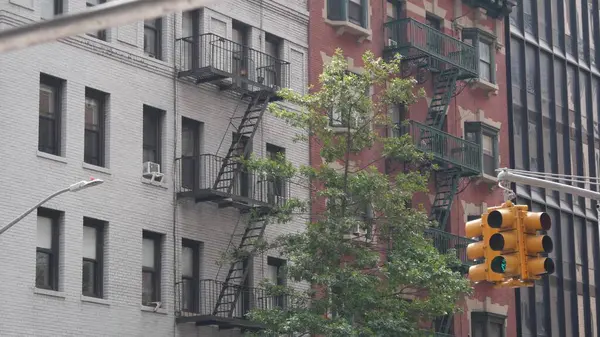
column 485, row 49
column 487, row 137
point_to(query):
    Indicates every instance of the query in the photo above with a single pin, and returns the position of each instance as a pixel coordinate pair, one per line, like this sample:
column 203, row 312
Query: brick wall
column 126, row 201
column 474, row 103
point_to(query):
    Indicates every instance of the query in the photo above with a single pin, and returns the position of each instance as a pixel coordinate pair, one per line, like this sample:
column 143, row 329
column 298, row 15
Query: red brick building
column 456, row 51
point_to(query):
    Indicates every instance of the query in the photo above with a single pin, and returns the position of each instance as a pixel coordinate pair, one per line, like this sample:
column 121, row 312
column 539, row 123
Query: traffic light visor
column 537, row 221
column 500, row 218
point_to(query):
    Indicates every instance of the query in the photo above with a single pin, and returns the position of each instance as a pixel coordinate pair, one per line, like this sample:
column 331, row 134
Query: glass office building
column 553, row 115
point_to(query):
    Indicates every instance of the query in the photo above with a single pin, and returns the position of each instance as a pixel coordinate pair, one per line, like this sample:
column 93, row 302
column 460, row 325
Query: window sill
column 95, row 168
column 161, row 184
column 94, row 300
column 490, row 88
column 53, row 157
column 350, row 28
column 48, row 292
column 146, row 308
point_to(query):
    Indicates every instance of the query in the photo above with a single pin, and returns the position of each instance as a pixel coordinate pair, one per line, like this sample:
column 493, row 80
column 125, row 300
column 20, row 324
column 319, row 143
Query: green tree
column 357, row 290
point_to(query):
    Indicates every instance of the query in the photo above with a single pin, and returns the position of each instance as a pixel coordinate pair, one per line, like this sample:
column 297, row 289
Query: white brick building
column 65, row 89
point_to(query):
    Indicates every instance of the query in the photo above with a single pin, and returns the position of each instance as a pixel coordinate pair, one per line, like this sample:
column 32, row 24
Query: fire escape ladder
column 244, row 134
column 443, row 89
column 238, row 271
column 446, row 187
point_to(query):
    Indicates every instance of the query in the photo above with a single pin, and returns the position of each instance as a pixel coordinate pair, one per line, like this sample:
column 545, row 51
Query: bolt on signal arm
column 541, row 179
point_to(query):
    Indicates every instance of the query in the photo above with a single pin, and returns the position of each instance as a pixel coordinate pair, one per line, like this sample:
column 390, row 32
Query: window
column 151, row 263
column 486, row 324
column 93, row 253
column 341, row 118
column 273, row 63
column 46, row 271
column 487, row 137
column 353, row 11
column 101, row 34
column 152, row 134
column 190, row 275
column 484, row 44
column 275, row 270
column 276, row 187
column 95, row 112
column 152, row 37
column 50, row 8
column 50, row 114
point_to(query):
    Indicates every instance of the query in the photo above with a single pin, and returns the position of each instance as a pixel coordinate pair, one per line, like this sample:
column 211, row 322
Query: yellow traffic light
column 510, row 246
column 505, row 241
column 533, row 245
column 487, row 227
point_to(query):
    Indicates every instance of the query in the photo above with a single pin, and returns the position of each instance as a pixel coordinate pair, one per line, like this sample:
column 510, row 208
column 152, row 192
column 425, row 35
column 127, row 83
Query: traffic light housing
column 486, row 227
column 510, row 246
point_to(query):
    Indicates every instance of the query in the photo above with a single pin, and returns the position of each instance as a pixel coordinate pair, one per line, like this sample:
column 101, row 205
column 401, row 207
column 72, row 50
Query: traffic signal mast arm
column 540, row 179
column 510, row 252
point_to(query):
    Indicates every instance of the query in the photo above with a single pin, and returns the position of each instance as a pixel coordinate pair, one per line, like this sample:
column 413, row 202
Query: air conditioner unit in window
column 151, row 171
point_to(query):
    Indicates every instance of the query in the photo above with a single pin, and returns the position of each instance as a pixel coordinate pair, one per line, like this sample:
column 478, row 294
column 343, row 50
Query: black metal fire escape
column 257, row 77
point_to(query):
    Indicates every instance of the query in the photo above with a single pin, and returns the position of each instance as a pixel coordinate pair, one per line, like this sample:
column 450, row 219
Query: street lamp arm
column 33, row 209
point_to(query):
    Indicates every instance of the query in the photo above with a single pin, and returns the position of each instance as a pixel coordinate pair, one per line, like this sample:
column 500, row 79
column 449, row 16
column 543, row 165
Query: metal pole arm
column 110, row 14
column 32, row 209
column 505, row 175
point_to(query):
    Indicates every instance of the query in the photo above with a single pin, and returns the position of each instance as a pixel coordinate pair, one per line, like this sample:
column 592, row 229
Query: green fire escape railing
column 444, row 241
column 412, row 38
column 444, row 146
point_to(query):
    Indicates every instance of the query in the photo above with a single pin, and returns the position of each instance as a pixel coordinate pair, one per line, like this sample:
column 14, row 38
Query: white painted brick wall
column 119, row 68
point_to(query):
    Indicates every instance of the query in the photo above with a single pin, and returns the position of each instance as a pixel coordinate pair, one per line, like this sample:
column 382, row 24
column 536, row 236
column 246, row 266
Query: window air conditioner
column 151, row 170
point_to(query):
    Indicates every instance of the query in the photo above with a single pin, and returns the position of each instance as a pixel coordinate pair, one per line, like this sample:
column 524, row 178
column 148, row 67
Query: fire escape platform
column 210, row 58
column 224, row 199
column 198, row 178
column 415, row 40
column 221, row 322
column 447, row 149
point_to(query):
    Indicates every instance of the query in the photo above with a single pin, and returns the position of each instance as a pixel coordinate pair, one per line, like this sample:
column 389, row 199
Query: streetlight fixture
column 72, row 188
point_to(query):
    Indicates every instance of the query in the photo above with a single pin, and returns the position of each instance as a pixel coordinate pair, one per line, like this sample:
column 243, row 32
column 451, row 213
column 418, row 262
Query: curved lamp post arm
column 12, row 223
column 78, row 186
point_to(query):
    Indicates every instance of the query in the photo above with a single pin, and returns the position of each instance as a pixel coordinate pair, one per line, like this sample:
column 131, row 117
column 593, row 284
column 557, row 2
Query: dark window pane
column 188, row 294
column 515, row 17
column 543, row 14
column 148, row 293
column 569, row 28
column 47, row 135
column 335, row 10
column 557, row 35
column 518, row 122
column 89, row 278
column 42, row 271
column 559, row 82
column 533, row 139
column 528, row 16
column 581, row 34
column 355, row 12
column 591, row 24
column 92, row 146
column 516, row 68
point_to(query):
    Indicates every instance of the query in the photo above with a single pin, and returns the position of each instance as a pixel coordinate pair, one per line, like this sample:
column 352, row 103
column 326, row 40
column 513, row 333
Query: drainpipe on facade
column 174, row 173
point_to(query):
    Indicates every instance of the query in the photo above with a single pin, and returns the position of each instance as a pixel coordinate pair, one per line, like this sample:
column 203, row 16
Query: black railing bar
column 235, row 43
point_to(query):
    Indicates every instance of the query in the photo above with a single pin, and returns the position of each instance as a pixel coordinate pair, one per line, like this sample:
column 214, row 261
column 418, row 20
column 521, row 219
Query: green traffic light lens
column 499, row 265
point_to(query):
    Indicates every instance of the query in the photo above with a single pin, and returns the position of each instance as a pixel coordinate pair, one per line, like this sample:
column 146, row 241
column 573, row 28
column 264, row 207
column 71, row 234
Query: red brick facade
column 475, row 102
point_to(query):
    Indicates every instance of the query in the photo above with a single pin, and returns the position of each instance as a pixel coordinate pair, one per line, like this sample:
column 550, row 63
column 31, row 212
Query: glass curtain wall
column 554, row 120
